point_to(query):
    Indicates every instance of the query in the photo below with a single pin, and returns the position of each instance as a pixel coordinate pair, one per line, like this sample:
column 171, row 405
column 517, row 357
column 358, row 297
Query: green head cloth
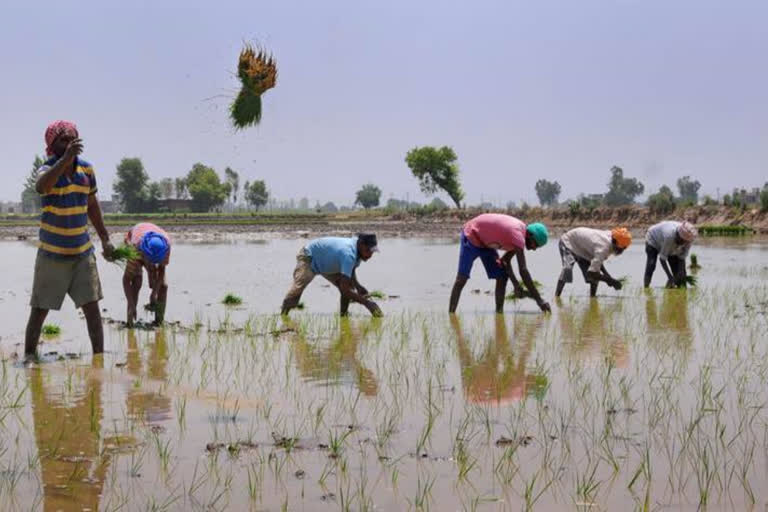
column 539, row 233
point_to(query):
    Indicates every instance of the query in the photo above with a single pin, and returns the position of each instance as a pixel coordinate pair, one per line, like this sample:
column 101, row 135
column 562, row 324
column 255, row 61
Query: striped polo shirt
column 64, row 219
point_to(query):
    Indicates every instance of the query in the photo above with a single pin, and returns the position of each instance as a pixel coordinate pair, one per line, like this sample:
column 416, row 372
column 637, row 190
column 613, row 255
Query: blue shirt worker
column 336, row 259
column 65, row 263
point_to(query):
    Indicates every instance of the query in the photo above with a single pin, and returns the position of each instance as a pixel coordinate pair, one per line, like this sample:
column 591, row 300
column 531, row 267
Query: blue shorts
column 468, row 253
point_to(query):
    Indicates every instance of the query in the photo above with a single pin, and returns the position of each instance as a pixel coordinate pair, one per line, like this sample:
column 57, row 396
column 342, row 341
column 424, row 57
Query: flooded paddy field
column 641, row 400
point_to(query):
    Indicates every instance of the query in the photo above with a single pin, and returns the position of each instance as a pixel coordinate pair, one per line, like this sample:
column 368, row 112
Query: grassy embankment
column 712, row 220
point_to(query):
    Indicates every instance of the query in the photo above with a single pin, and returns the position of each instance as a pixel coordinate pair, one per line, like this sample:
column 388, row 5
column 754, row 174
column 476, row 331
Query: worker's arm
column 94, row 214
column 362, row 290
column 506, row 262
column 528, row 281
column 50, row 176
column 607, row 278
column 347, row 289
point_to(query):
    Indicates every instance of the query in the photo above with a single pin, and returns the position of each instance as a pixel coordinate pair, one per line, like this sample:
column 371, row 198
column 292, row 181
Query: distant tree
column 206, row 188
column 368, row 196
column 621, row 190
column 152, row 197
column 764, row 198
column 30, row 199
column 233, row 178
column 131, row 184
column 438, row 204
column 257, row 194
column 589, row 203
column 328, row 207
column 180, row 185
column 548, row 192
column 662, row 202
column 166, row 188
column 436, row 169
column 689, row 189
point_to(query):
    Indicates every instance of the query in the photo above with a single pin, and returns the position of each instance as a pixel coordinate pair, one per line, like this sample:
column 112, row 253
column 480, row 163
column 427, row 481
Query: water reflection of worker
column 670, row 241
column 591, row 331
column 67, row 433
column 590, row 248
column 336, row 259
column 149, row 406
column 498, row 374
column 481, row 237
column 154, row 246
column 669, row 324
column 338, row 361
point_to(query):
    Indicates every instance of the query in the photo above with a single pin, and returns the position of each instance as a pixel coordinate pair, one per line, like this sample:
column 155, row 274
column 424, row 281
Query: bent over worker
column 590, row 248
column 154, row 246
column 670, row 241
column 336, row 259
column 481, row 237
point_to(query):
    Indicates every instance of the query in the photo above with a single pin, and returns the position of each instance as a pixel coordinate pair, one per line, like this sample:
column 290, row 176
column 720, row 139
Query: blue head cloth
column 155, row 247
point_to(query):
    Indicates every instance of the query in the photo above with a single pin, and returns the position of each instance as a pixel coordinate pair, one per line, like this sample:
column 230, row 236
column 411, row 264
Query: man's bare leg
column 501, row 291
column 95, row 328
column 34, row 326
column 458, row 285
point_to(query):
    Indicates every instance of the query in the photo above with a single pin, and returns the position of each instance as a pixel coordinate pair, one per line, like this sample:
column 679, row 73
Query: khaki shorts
column 302, row 276
column 55, row 278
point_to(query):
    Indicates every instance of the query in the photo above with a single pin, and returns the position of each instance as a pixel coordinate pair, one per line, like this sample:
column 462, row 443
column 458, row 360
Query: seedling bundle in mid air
column 257, row 73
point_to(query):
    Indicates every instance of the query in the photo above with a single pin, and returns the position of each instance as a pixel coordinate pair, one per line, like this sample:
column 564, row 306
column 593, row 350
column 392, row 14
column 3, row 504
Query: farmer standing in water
column 590, row 248
column 154, row 246
column 65, row 263
column 671, row 242
column 336, row 259
column 481, row 237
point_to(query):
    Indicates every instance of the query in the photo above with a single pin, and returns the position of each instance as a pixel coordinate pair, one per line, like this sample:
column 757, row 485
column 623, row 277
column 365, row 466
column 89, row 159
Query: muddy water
column 635, row 398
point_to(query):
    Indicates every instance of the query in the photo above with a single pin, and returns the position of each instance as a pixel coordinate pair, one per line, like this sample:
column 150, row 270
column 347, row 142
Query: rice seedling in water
column 257, row 73
column 231, row 299
column 694, row 262
column 51, row 330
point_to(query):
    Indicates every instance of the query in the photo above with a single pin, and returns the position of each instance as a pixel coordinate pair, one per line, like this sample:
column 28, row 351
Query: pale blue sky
column 521, row 90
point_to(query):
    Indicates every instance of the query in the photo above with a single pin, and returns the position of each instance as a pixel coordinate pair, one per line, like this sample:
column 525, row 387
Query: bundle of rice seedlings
column 694, row 262
column 125, row 253
column 257, row 73
column 691, row 280
column 526, row 292
column 51, row 330
column 231, row 299
column 377, row 294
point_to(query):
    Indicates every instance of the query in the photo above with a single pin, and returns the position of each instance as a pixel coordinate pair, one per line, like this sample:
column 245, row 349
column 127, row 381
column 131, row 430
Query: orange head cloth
column 622, row 236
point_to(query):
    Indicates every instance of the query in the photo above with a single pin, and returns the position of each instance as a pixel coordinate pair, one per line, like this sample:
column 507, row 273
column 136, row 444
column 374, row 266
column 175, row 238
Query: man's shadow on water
column 74, row 455
column 588, row 331
column 498, row 373
column 143, row 405
column 67, row 428
column 668, row 324
column 337, row 362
